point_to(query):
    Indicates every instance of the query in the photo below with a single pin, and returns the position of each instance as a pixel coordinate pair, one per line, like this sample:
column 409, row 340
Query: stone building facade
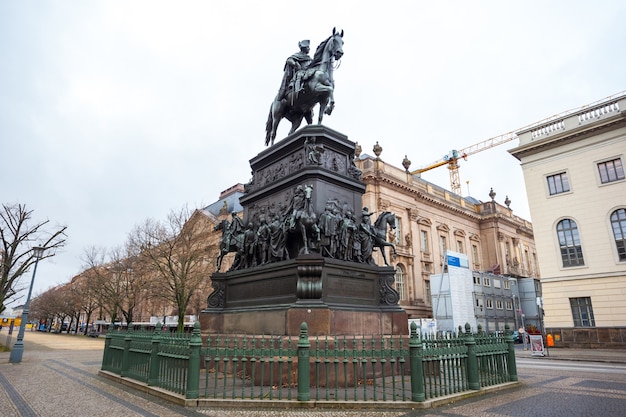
column 431, row 220
column 574, row 172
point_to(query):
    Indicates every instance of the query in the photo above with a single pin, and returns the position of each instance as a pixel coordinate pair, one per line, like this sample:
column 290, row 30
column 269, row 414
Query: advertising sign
column 536, row 345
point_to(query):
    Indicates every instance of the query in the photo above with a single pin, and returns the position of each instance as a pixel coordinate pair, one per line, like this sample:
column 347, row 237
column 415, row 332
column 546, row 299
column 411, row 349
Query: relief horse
column 379, row 231
column 228, row 243
column 318, row 89
column 305, row 227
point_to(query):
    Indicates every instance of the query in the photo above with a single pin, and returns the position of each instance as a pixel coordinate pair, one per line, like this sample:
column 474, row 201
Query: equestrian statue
column 302, row 221
column 231, row 240
column 379, row 233
column 306, row 83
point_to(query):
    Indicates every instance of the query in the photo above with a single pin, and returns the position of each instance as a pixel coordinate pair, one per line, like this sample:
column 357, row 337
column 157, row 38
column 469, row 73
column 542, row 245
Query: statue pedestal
column 334, row 297
column 296, row 182
column 321, row 321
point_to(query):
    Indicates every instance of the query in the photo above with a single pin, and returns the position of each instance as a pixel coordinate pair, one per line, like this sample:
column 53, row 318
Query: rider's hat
column 304, row 44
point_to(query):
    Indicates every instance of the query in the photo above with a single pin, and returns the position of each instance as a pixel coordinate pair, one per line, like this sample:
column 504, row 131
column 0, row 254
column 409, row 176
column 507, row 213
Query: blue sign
column 454, row 261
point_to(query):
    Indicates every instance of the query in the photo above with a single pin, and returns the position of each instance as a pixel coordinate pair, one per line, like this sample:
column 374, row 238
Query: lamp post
column 18, row 347
column 524, row 335
column 515, row 313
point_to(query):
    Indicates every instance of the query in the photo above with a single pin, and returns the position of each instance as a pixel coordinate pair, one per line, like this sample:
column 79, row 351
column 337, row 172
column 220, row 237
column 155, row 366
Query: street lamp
column 18, row 347
column 514, row 296
column 515, row 309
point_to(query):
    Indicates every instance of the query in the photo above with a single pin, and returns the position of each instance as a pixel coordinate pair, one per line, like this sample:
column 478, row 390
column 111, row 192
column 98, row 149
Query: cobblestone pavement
column 59, row 377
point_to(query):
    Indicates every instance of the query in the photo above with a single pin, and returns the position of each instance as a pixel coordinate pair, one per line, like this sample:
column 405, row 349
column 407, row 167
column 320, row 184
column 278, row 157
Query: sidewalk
column 568, row 354
column 55, row 366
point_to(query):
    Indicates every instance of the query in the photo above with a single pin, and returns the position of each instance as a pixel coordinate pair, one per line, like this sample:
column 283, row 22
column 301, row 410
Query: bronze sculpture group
column 336, row 233
column 297, row 229
column 306, row 82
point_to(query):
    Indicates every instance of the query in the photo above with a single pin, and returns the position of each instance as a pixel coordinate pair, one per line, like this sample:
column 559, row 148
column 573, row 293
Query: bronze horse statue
column 379, row 231
column 228, row 244
column 305, row 226
column 318, row 88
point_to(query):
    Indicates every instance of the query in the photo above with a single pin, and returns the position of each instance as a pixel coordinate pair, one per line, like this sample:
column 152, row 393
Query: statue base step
column 322, row 320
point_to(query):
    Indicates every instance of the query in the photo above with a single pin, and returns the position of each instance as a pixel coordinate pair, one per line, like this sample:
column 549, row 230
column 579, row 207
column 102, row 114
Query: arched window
column 569, row 242
column 618, row 224
column 400, row 285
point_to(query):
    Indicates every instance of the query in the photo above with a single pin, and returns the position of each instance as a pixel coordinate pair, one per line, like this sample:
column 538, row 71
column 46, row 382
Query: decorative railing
column 340, row 368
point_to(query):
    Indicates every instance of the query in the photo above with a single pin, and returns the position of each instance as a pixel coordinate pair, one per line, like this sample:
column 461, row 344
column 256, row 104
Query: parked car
column 517, row 336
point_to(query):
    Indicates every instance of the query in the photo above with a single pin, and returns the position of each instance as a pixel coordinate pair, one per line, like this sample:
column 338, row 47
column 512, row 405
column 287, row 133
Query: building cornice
column 373, row 178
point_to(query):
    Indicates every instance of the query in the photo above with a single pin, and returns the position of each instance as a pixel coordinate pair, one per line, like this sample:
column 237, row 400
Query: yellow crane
column 452, row 158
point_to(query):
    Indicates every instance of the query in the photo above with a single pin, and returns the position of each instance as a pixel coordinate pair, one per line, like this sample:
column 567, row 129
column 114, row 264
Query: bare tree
column 18, row 234
column 50, row 305
column 117, row 279
column 176, row 253
column 86, row 286
column 43, row 307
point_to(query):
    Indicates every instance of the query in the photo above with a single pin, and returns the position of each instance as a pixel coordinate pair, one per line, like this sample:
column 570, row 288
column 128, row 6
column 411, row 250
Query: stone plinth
column 295, row 183
column 332, row 296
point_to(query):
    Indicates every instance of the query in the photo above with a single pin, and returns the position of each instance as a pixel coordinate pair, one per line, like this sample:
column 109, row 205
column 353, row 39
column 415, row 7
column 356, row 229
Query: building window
column 427, row 267
column 443, row 245
column 582, row 312
column 427, row 294
column 424, row 241
column 509, row 305
column 526, row 259
column 489, row 303
column 558, row 183
column 400, row 285
column 569, row 242
column 398, row 239
column 611, row 171
column 487, row 282
column 459, row 246
column 499, row 304
column 507, row 284
column 475, row 255
column 477, row 279
column 618, row 224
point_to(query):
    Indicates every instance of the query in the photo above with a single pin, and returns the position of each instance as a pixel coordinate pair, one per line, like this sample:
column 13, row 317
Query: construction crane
column 452, row 158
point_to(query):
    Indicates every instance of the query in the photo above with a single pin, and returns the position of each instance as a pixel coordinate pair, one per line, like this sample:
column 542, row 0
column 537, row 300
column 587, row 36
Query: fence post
column 105, row 356
column 126, row 355
column 416, row 365
column 304, row 353
column 511, row 365
column 472, row 361
column 153, row 370
column 193, row 373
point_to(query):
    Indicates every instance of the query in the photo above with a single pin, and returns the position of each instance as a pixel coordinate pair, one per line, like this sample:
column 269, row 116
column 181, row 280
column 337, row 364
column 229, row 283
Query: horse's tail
column 268, row 126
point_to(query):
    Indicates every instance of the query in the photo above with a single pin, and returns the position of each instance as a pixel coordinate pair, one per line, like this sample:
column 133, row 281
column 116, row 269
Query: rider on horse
column 313, row 86
column 235, row 229
column 295, row 66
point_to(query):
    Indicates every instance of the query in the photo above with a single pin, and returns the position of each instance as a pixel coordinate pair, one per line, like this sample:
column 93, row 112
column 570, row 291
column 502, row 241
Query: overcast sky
column 112, row 112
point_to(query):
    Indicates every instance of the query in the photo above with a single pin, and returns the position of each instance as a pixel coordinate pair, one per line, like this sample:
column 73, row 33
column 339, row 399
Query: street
column 58, row 377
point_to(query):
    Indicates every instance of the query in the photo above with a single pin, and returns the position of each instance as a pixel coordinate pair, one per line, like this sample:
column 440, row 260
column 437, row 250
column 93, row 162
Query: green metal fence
column 303, row 368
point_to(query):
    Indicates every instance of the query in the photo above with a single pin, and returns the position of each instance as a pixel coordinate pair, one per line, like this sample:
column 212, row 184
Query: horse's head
column 221, row 226
column 385, row 219
column 308, row 192
column 336, row 48
column 329, row 49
